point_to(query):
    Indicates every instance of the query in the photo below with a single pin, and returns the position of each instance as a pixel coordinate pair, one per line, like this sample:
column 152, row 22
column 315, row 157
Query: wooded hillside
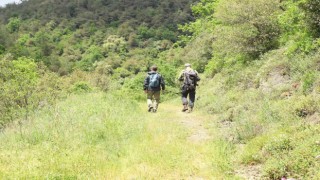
column 259, row 61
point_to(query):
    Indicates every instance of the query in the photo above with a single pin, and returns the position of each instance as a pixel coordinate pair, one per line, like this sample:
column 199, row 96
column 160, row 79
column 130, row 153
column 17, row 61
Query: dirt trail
column 199, row 136
column 192, row 121
column 195, row 123
column 250, row 172
column 199, row 132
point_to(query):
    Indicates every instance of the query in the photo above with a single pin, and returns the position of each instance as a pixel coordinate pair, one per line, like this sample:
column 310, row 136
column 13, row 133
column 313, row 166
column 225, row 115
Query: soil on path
column 193, row 122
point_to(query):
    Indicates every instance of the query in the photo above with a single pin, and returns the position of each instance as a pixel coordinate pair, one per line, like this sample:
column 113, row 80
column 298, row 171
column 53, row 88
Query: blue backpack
column 154, row 80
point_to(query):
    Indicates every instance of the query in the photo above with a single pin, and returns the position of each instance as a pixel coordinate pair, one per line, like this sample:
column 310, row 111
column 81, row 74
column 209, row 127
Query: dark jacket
column 147, row 80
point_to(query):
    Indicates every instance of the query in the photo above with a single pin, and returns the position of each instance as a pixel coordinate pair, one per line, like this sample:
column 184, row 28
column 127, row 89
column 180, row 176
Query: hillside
column 72, row 71
column 154, row 13
column 68, row 35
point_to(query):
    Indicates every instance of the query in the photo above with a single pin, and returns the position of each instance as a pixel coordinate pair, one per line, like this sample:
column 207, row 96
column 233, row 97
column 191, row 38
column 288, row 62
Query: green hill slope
column 259, row 95
column 77, row 34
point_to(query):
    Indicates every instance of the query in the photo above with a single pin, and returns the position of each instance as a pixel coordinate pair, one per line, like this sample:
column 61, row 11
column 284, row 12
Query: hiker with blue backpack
column 189, row 77
column 153, row 84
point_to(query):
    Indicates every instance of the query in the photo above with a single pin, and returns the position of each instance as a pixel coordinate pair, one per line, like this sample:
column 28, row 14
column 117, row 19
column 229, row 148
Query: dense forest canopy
column 75, row 34
column 154, row 13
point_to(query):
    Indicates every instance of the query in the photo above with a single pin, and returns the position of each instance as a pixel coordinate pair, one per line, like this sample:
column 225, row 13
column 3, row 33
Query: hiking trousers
column 153, row 99
column 192, row 97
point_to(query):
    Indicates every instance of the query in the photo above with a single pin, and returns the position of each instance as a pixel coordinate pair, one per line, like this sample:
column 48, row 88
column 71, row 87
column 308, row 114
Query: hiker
column 153, row 84
column 189, row 77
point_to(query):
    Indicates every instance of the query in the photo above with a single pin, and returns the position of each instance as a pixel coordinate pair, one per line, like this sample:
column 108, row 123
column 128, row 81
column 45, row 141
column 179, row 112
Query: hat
column 187, row 65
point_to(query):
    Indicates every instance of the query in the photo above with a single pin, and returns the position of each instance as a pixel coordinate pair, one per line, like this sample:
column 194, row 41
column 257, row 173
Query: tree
column 14, row 24
column 312, row 9
column 246, row 27
column 19, row 80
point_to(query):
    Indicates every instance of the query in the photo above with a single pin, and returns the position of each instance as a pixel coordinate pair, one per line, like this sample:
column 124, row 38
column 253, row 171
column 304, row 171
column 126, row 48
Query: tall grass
column 266, row 108
column 99, row 136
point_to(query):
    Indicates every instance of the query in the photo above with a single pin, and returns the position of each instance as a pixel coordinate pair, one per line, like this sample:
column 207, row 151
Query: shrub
column 101, row 75
column 246, row 27
column 252, row 151
column 298, row 24
column 14, row 24
column 81, row 87
column 278, row 145
column 312, row 9
column 19, row 80
column 275, row 169
column 92, row 55
column 115, row 44
column 307, row 82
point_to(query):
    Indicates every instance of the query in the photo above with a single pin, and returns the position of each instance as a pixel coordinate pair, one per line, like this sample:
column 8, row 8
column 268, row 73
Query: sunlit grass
column 105, row 136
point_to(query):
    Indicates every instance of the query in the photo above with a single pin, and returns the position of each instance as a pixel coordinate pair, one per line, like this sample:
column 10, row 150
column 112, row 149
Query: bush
column 92, row 55
column 19, row 80
column 101, row 75
column 275, row 169
column 14, row 24
column 307, row 82
column 81, row 87
column 25, row 87
column 246, row 27
column 298, row 24
column 278, row 145
column 312, row 9
column 292, row 154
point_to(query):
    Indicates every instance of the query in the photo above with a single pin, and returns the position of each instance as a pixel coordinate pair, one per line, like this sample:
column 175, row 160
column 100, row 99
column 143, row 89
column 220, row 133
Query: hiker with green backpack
column 189, row 77
column 152, row 86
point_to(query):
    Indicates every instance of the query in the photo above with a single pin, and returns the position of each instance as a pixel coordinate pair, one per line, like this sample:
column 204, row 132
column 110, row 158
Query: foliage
column 91, row 56
column 298, row 24
column 312, row 13
column 246, row 27
column 81, row 87
column 25, row 87
column 19, row 79
column 79, row 34
column 261, row 59
column 308, row 80
column 14, row 24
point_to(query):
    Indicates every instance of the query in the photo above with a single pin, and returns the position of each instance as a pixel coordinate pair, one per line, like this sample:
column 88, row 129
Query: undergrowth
column 271, row 109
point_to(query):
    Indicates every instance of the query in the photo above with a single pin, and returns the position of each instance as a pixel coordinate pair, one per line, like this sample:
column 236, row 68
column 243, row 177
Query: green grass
column 270, row 109
column 99, row 136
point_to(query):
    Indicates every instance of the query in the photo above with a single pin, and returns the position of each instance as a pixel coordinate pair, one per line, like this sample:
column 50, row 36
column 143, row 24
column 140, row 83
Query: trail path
column 117, row 142
column 193, row 122
column 249, row 172
column 200, row 135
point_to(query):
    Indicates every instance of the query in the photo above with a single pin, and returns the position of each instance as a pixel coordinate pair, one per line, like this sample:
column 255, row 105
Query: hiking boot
column 185, row 108
column 190, row 110
column 150, row 109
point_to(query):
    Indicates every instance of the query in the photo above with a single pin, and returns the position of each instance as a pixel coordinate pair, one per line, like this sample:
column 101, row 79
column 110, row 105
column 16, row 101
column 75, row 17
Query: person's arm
column 146, row 84
column 181, row 76
column 198, row 78
column 163, row 84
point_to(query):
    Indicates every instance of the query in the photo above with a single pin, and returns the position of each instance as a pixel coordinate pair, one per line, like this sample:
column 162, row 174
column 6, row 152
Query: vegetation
column 259, row 97
column 84, row 137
